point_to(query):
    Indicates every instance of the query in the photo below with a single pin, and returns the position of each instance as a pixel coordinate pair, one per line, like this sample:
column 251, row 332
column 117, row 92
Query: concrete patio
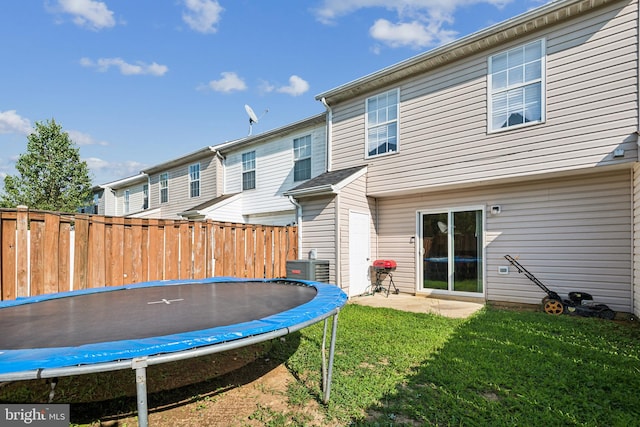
column 420, row 304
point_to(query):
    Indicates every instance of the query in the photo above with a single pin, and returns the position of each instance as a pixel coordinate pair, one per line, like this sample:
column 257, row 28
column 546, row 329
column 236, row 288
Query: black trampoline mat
column 144, row 312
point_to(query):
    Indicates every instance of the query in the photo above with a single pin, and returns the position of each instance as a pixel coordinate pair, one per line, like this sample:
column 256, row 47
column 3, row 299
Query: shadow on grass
column 109, row 396
column 506, row 368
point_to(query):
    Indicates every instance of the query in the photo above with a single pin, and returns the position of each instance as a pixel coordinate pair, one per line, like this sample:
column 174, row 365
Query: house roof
column 528, row 22
column 328, row 182
column 124, row 182
column 205, row 205
column 292, row 127
column 199, row 154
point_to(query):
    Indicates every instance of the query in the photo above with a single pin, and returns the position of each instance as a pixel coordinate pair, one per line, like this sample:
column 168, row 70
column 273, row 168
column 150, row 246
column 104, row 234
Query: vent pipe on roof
column 329, row 132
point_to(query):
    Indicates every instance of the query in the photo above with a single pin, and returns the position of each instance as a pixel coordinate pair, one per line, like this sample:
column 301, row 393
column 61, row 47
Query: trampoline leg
column 52, row 393
column 140, row 365
column 327, row 383
column 323, row 354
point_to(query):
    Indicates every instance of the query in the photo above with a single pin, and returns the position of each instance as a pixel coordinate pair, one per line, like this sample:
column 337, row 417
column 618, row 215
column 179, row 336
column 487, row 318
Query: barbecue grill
column 384, row 268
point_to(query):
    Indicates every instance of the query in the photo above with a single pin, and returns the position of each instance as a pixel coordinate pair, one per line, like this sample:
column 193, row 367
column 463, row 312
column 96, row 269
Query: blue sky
column 138, row 82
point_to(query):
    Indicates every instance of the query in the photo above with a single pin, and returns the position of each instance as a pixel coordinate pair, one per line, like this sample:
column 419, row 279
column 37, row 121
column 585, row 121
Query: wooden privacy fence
column 46, row 252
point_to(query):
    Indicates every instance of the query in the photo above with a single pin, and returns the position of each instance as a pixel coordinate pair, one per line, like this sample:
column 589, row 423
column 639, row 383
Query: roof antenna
column 252, row 117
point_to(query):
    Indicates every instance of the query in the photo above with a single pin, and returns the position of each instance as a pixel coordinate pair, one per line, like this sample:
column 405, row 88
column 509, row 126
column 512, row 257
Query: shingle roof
column 326, row 180
column 210, row 203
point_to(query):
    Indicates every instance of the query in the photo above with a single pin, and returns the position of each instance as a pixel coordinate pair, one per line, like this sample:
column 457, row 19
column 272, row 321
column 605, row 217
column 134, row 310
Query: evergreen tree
column 51, row 175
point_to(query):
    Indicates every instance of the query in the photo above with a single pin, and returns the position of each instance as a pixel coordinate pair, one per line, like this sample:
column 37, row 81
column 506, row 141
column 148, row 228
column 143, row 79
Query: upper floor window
column 194, row 180
column 164, row 187
column 382, row 123
column 145, row 195
column 249, row 170
column 516, row 86
column 127, row 200
column 302, row 158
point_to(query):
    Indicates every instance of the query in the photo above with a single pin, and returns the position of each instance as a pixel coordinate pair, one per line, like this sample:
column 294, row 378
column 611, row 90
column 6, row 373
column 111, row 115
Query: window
column 516, row 86
column 145, row 195
column 127, row 195
column 302, row 158
column 249, row 170
column 164, row 187
column 382, row 123
column 194, row 180
column 96, row 202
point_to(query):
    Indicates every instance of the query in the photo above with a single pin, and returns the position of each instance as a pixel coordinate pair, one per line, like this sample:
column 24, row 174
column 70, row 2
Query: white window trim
column 127, row 201
column 160, row 188
column 366, row 126
column 543, row 90
column 191, row 180
column 310, row 156
column 254, row 170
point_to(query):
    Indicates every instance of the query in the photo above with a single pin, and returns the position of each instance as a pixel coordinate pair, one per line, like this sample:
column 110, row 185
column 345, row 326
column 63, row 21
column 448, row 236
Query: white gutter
column 329, row 132
column 299, row 222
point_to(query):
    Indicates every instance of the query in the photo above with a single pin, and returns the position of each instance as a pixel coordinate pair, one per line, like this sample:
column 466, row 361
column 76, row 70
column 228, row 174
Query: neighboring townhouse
column 124, row 197
column 518, row 139
column 188, row 180
column 258, row 169
column 240, row 181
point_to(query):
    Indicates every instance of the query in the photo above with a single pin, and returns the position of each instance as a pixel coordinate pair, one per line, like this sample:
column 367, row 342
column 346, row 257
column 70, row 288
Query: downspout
column 337, row 230
column 329, row 133
column 338, row 252
column 299, row 222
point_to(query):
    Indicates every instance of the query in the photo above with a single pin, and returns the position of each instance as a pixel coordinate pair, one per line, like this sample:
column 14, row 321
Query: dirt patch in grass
column 245, row 387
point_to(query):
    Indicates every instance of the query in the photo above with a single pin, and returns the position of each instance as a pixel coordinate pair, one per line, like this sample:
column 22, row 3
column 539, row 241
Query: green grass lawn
column 393, row 368
column 497, row 368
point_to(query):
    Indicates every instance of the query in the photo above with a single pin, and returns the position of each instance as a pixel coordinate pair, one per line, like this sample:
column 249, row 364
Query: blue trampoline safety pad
column 111, row 324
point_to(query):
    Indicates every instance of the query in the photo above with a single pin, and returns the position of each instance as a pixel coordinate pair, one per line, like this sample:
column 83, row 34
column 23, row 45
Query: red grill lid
column 384, row 263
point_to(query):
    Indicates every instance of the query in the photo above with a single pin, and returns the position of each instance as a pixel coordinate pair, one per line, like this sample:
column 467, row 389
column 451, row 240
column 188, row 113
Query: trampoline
column 136, row 326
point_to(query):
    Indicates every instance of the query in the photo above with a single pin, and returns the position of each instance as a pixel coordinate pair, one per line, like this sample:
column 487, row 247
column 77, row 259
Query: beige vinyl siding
column 572, row 233
column 136, row 199
column 636, row 240
column 591, row 97
column 353, row 198
column 318, row 231
column 179, row 191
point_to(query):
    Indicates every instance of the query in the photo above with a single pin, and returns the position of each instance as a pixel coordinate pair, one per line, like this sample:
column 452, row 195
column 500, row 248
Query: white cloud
column 91, row 14
column 420, row 23
column 105, row 171
column 81, row 138
column 410, row 34
column 12, row 122
column 139, row 68
column 266, row 87
column 297, row 86
column 230, row 82
column 202, row 15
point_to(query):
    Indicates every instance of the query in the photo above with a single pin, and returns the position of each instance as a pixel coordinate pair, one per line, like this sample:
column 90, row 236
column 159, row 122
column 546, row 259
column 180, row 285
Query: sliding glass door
column 452, row 250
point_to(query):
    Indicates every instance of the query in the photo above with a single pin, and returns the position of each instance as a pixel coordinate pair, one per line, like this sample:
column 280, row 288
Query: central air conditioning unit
column 316, row 270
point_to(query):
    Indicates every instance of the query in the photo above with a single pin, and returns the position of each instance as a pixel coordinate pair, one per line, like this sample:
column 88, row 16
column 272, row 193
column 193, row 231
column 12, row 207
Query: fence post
column 9, row 254
column 51, row 252
column 185, row 253
column 81, row 252
column 22, row 246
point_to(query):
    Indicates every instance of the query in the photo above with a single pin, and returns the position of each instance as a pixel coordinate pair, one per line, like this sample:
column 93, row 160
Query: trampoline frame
column 140, row 364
